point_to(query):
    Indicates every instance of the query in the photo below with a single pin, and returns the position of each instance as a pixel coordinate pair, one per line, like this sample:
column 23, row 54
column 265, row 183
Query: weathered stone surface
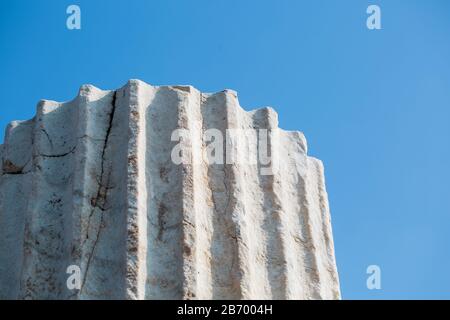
column 91, row 183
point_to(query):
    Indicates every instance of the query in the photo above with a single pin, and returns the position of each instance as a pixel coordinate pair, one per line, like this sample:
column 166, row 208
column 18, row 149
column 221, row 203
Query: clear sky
column 374, row 105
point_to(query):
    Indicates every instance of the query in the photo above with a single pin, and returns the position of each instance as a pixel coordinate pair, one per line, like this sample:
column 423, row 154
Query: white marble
column 91, row 183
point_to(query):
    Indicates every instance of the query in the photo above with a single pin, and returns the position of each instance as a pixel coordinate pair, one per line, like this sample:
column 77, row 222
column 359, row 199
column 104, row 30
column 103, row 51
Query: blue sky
column 374, row 105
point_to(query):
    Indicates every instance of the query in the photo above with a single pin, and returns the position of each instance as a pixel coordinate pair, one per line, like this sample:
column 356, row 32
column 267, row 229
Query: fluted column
column 121, row 184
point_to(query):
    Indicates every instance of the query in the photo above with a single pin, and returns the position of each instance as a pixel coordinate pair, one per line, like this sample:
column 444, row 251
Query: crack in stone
column 48, row 137
column 8, row 165
column 58, row 155
column 15, row 173
column 102, row 191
